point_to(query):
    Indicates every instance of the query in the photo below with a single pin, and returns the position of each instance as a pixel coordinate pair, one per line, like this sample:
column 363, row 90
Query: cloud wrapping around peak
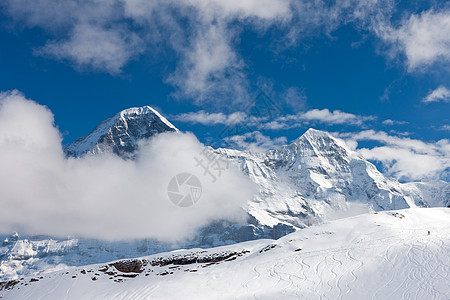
column 440, row 94
column 103, row 196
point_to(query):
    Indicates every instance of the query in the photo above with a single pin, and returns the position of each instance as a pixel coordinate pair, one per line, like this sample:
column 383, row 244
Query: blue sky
column 376, row 73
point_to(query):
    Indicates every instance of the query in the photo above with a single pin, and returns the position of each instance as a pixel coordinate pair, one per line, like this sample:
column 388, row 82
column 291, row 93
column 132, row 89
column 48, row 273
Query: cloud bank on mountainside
column 102, row 196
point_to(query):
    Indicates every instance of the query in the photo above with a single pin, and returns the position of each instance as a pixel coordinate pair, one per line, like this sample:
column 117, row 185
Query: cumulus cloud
column 441, row 94
column 422, row 38
column 102, row 196
column 403, row 157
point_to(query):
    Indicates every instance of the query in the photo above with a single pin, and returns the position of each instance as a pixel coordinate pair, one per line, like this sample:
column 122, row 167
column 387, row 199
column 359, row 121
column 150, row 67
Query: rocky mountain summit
column 120, row 133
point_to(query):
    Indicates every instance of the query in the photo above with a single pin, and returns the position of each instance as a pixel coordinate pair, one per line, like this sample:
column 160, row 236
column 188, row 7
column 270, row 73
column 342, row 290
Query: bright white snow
column 384, row 255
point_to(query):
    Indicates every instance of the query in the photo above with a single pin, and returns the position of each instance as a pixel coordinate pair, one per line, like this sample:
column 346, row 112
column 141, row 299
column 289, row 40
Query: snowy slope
column 384, row 255
column 121, row 133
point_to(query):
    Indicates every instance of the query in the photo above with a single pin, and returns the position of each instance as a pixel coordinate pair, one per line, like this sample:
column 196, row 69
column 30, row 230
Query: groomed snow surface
column 384, row 255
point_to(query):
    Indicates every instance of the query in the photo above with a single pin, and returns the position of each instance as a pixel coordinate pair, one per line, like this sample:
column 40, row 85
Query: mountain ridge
column 312, row 180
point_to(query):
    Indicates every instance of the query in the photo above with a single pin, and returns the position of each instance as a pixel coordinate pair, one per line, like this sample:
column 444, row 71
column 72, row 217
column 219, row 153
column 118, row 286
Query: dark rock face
column 129, row 266
column 121, row 133
column 8, row 285
column 194, row 258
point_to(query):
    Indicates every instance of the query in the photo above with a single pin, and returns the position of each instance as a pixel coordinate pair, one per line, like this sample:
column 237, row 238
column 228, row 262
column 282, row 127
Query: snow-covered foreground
column 384, row 255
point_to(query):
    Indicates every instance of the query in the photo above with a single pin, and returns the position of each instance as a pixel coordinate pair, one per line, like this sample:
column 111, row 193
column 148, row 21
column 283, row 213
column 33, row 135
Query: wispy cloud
column 322, row 116
column 441, row 94
column 96, row 47
column 210, row 68
column 334, row 117
column 305, row 118
column 105, row 35
column 205, row 118
column 201, row 36
column 422, row 38
column 389, row 122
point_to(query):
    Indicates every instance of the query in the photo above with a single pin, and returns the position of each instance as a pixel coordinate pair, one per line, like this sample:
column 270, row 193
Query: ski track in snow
column 245, row 285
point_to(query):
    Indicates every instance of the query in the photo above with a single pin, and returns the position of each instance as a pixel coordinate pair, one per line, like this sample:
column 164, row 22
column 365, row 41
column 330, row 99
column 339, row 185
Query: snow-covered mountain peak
column 143, row 111
column 315, row 150
column 322, row 138
column 121, row 132
column 322, row 143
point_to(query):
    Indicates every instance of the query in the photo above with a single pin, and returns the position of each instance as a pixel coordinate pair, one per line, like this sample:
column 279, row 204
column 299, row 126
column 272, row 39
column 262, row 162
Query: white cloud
column 99, row 48
column 201, row 36
column 335, row 117
column 389, row 122
column 403, row 157
column 441, row 94
column 324, row 116
column 321, row 16
column 210, row 68
column 262, row 9
column 104, row 196
column 205, row 118
column 422, row 38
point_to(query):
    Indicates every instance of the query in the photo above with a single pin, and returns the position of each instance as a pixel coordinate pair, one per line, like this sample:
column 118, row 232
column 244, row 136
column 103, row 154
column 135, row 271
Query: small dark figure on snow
column 429, row 232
